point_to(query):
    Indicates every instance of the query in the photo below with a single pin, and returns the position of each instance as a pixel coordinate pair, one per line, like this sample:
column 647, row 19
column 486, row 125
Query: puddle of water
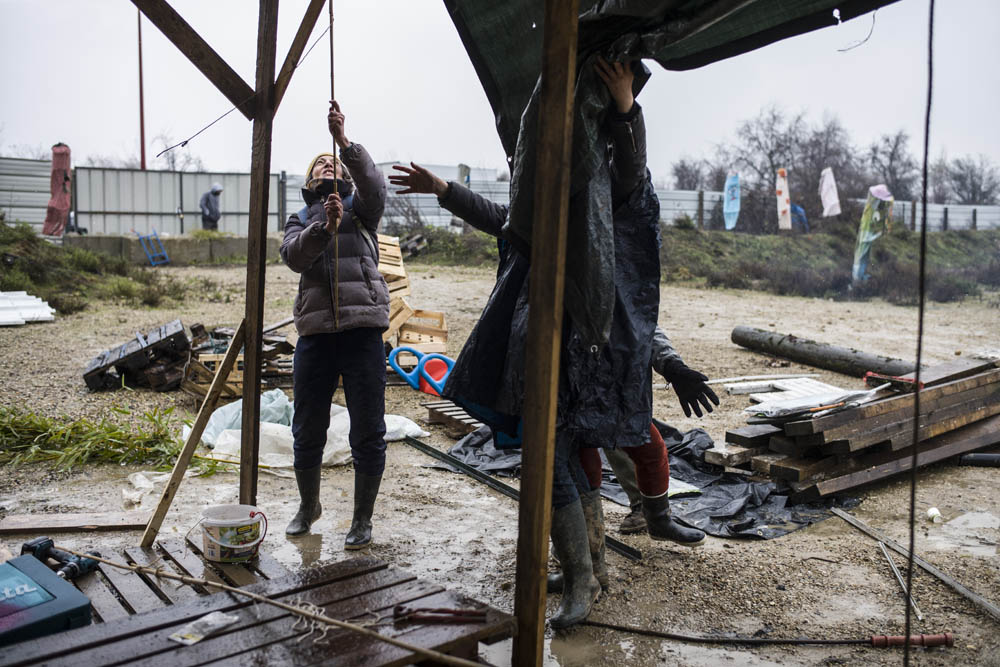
column 975, row 533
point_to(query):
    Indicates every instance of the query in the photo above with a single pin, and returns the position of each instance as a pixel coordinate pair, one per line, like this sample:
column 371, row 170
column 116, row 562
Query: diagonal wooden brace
column 184, row 458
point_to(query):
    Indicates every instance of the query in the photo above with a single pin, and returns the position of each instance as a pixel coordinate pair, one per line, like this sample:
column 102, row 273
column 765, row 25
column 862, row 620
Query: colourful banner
column 828, row 193
column 731, row 201
column 784, row 201
column 874, row 223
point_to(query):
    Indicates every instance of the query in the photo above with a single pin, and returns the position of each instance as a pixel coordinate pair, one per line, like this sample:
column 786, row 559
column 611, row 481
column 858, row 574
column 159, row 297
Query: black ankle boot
column 365, row 492
column 309, row 508
column 593, row 514
column 662, row 527
column 572, row 548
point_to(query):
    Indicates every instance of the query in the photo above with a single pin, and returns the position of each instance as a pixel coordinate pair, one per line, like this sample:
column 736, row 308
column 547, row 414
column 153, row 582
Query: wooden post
column 184, row 458
column 548, row 264
column 701, row 209
column 260, row 165
column 913, row 216
column 944, row 220
column 974, row 224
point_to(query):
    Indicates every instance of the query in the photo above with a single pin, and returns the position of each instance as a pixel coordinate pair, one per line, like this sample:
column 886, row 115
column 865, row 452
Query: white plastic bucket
column 232, row 533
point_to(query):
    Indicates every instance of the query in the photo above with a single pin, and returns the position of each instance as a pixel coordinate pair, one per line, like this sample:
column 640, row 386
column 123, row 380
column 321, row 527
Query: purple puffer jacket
column 340, row 290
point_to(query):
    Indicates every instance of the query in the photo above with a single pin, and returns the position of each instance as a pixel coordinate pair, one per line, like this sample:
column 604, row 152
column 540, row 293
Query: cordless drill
column 71, row 566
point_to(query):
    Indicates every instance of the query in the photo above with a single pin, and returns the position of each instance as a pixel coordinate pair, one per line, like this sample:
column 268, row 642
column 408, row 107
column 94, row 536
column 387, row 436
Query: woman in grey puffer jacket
column 341, row 310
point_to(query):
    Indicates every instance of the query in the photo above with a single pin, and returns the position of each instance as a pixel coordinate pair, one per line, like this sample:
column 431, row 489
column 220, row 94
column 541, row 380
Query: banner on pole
column 784, row 200
column 828, row 193
column 731, row 201
column 874, row 223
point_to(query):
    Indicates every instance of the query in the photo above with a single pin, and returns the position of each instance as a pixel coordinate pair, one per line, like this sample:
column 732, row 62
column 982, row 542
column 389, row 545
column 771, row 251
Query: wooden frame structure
column 260, row 103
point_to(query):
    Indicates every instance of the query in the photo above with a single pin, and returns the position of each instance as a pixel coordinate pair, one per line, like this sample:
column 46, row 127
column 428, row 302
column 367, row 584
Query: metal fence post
column 180, row 199
column 974, row 226
column 913, row 216
column 701, row 209
column 282, row 200
column 944, row 221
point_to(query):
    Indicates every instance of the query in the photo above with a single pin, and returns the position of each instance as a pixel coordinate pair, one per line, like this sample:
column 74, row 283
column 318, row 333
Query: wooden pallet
column 167, row 343
column 355, row 590
column 451, row 416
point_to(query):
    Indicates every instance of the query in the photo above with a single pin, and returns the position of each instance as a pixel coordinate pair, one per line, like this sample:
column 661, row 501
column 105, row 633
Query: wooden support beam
column 295, row 50
column 260, row 165
column 548, row 266
column 201, row 55
column 184, row 458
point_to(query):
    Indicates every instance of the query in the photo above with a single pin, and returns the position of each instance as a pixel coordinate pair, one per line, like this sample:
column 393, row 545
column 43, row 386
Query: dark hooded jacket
column 340, row 286
column 605, row 394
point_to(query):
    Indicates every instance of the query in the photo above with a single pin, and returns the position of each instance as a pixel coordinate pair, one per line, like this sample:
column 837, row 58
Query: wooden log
column 184, row 458
column 844, row 360
column 544, row 335
column 71, row 523
column 260, row 165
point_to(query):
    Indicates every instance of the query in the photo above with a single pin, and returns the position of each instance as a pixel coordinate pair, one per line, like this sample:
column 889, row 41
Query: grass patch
column 26, row 437
column 68, row 278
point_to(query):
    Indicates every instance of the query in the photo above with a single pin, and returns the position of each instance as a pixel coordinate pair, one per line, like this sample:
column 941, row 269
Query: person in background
column 209, row 204
column 341, row 310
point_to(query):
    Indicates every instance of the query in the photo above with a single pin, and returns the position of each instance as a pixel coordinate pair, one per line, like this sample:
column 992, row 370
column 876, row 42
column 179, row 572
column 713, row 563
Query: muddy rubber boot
column 593, row 514
column 365, row 492
column 572, row 548
column 309, row 508
column 635, row 522
column 662, row 527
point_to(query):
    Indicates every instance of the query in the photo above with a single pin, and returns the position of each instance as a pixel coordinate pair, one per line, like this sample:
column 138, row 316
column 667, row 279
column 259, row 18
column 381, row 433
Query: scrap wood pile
column 817, row 453
column 423, row 330
column 165, row 358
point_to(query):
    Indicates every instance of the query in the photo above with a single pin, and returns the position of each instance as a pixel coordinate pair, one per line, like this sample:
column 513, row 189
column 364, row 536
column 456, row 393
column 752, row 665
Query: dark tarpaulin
column 503, row 40
column 729, row 505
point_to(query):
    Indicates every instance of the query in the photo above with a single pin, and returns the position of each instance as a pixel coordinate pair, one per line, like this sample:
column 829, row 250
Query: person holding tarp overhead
column 605, row 396
column 341, row 310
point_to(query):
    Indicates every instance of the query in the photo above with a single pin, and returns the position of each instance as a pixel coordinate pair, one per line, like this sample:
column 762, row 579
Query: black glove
column 691, row 388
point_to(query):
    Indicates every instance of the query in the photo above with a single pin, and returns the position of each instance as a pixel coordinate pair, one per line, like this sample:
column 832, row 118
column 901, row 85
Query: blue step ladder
column 153, row 247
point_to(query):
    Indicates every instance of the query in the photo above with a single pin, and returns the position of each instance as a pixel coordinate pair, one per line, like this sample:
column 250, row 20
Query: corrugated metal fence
column 121, row 201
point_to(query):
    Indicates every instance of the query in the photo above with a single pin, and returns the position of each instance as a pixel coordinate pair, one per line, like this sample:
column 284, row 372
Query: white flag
column 828, row 193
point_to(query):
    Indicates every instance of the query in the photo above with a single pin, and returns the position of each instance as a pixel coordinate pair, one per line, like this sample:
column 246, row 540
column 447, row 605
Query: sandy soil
column 826, row 581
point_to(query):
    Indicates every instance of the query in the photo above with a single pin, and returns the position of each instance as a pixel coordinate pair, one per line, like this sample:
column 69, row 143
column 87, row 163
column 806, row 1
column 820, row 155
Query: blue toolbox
column 35, row 601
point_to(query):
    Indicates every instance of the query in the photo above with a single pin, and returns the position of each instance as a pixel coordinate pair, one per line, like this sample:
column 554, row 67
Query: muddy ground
column 825, row 581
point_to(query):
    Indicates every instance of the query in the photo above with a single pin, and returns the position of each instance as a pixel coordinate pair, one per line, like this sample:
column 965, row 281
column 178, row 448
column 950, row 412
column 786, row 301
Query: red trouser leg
column 590, row 460
column 652, row 469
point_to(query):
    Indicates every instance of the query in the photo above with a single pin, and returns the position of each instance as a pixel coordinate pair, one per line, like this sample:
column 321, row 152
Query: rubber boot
column 662, row 527
column 593, row 514
column 365, row 492
column 572, row 548
column 624, row 470
column 309, row 508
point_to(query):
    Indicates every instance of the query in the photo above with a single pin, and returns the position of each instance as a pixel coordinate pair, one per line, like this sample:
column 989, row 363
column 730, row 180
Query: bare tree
column 763, row 145
column 29, row 151
column 687, row 174
column 402, row 215
column 826, row 145
column 715, row 175
column 178, row 159
column 892, row 164
column 974, row 181
column 111, row 161
column 939, row 180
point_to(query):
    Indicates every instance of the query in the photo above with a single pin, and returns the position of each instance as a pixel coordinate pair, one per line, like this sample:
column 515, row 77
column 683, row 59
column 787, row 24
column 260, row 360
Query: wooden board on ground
column 451, row 416
column 356, row 590
column 71, row 523
column 728, row 454
column 755, row 435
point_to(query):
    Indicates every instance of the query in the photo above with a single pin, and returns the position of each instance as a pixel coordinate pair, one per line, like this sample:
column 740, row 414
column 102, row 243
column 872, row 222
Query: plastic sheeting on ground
column 725, row 504
column 276, row 452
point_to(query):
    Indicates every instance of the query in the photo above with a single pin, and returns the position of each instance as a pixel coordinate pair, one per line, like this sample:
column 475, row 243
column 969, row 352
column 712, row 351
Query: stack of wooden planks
column 424, row 330
column 153, row 360
column 838, row 450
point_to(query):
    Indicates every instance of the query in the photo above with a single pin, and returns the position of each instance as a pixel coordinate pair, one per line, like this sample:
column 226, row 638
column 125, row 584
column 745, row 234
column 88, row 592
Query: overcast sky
column 69, row 73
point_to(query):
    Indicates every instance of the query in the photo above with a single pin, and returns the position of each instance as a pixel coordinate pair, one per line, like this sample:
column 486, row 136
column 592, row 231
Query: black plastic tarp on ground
column 729, row 504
